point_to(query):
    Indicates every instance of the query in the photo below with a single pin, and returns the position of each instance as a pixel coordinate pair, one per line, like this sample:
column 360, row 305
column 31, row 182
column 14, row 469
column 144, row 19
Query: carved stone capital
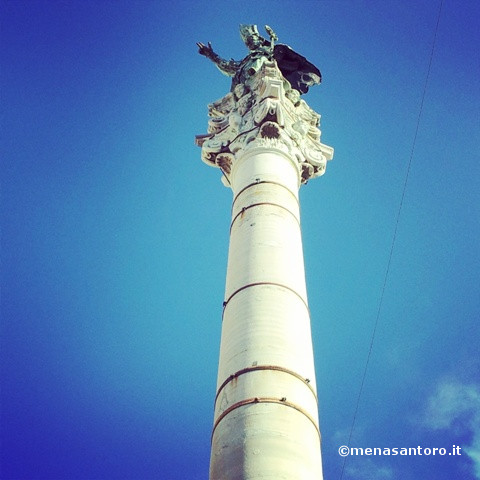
column 264, row 112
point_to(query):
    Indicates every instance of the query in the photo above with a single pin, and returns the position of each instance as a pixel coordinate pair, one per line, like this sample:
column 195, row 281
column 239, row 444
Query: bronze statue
column 297, row 70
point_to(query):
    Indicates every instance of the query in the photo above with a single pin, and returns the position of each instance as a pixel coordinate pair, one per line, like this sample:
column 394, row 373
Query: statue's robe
column 296, row 69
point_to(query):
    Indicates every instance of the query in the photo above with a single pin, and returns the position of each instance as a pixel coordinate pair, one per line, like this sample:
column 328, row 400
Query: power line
column 394, row 237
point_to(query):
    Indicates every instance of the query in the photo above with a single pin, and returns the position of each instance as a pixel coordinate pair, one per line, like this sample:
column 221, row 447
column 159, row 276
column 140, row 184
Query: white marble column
column 266, row 142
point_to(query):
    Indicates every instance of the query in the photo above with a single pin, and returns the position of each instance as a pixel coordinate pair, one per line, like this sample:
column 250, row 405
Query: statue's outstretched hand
column 271, row 34
column 205, row 50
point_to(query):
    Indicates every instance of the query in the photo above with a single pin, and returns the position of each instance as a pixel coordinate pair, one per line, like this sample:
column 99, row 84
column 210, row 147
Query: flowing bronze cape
column 300, row 73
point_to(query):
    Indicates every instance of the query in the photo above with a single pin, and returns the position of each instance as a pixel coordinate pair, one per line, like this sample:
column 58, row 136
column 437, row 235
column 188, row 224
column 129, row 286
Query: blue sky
column 115, row 234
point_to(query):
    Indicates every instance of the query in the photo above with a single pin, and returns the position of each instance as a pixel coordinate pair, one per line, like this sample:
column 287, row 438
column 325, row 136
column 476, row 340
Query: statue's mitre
column 248, row 31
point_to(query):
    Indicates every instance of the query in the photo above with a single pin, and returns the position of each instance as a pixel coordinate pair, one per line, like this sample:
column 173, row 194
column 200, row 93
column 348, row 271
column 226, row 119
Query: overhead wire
column 394, row 237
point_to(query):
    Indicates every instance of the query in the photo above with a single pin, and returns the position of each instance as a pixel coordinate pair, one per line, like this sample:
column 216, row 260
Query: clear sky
column 115, row 234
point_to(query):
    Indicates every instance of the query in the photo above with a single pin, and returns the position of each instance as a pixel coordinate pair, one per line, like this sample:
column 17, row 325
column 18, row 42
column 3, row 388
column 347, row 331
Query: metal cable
column 393, row 238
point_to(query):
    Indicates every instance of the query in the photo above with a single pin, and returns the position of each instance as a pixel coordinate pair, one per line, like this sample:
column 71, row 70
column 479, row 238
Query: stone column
column 266, row 142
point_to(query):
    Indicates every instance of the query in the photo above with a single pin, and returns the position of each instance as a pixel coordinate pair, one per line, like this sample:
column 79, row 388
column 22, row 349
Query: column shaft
column 266, row 414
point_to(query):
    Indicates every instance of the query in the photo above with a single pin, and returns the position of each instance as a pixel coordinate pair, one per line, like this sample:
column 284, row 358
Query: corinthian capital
column 264, row 112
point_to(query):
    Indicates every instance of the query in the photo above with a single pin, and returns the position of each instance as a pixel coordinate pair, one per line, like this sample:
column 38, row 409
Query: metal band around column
column 256, row 284
column 276, row 368
column 242, row 211
column 279, row 401
column 259, row 182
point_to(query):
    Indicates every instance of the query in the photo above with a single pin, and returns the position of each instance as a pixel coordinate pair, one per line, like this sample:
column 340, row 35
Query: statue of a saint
column 297, row 70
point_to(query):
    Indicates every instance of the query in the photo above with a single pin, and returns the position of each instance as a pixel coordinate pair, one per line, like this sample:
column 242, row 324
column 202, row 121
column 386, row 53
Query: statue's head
column 251, row 37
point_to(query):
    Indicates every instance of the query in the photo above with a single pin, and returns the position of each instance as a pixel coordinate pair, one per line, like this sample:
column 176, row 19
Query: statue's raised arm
column 227, row 67
column 297, row 70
